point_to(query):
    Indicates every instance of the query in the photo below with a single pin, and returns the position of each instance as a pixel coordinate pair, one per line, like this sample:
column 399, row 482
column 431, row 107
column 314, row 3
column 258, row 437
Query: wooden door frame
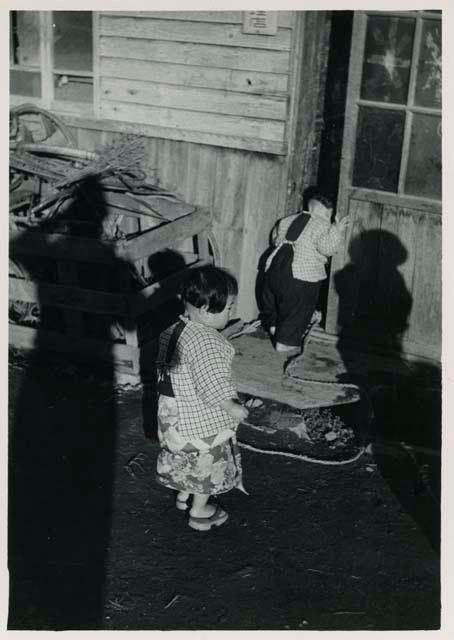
column 346, row 191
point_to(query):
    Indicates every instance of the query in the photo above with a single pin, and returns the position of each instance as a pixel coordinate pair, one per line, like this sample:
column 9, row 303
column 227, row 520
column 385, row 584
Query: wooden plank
column 260, row 212
column 171, row 133
column 251, row 82
column 230, row 187
column 193, row 99
column 234, row 58
column 68, row 297
column 407, row 234
column 156, row 294
column 348, row 147
column 410, row 202
column 172, row 162
column 308, row 67
column 167, row 235
column 355, row 267
column 194, row 32
column 190, row 120
column 257, row 370
column 285, row 19
column 121, row 356
column 88, row 140
column 96, row 63
column 426, row 313
column 200, row 170
column 58, row 245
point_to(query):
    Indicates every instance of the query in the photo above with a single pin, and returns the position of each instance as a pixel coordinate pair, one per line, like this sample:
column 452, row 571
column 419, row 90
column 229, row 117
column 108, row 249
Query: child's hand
column 343, row 223
column 235, row 409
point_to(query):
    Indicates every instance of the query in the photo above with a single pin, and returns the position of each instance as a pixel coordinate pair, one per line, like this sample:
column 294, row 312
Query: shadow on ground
column 312, row 547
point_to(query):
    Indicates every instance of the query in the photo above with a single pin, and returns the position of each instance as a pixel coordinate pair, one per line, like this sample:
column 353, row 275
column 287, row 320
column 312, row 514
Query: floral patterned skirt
column 182, row 467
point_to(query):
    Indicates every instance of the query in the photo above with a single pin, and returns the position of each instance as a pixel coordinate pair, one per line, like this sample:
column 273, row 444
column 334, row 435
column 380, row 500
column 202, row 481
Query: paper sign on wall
column 264, row 22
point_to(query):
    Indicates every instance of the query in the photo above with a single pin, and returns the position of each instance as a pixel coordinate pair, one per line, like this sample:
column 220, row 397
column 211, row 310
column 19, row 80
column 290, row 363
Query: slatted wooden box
column 76, row 299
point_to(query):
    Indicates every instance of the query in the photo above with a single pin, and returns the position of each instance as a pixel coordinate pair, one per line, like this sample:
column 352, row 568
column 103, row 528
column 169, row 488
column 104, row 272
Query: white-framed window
column 397, row 103
column 51, row 59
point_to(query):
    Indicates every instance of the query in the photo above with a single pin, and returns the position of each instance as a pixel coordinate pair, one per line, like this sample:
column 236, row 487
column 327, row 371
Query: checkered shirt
column 318, row 240
column 201, row 379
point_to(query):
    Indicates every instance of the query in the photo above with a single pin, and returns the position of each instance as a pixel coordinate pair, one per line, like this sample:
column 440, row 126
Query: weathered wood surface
column 111, row 126
column 185, row 30
column 234, row 58
column 59, row 245
column 391, row 266
column 150, row 92
column 258, row 371
column 244, row 192
column 196, row 76
column 285, row 19
column 323, row 360
column 309, row 63
column 197, row 73
column 226, row 125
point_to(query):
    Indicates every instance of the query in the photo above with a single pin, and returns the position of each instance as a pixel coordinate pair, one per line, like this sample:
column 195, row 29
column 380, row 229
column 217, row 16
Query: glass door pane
column 25, row 53
column 72, row 40
column 387, row 59
column 428, row 82
column 424, row 158
column 379, row 140
column 72, row 56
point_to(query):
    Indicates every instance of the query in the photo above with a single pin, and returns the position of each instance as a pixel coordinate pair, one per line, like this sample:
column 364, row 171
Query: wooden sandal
column 205, row 524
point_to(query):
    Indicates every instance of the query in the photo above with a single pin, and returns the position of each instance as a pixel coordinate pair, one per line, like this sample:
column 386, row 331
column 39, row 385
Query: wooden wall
column 218, row 108
column 197, row 73
column 387, row 283
column 245, row 191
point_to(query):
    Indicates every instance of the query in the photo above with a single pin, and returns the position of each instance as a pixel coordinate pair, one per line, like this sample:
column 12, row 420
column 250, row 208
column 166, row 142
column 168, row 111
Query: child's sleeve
column 211, row 364
column 328, row 241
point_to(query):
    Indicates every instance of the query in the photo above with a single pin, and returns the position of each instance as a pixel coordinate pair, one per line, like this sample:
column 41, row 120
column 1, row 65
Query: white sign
column 264, row 22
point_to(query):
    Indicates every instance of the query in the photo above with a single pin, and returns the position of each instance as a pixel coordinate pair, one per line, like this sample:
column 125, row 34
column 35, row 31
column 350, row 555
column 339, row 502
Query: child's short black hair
column 209, row 287
column 314, row 193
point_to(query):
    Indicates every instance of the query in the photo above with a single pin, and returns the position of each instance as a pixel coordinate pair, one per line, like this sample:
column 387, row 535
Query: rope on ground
column 300, row 456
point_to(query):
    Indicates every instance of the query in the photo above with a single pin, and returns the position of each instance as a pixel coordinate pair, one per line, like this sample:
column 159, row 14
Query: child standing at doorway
column 295, row 270
column 198, row 406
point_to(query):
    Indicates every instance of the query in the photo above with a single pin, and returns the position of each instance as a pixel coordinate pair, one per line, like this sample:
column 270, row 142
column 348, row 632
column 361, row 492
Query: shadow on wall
column 161, row 264
column 61, row 456
column 406, row 398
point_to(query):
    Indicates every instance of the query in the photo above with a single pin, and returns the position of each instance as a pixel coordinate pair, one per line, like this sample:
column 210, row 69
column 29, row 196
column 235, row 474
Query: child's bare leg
column 182, row 500
column 200, row 507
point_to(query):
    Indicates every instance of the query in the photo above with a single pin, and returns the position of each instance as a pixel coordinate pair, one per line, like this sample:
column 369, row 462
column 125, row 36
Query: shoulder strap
column 296, row 228
column 176, row 333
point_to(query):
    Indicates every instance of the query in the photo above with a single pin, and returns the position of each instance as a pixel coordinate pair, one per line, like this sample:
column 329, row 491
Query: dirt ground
column 95, row 543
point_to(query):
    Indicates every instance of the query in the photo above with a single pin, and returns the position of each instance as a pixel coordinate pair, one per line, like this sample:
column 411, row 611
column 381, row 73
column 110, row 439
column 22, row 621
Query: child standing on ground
column 198, row 406
column 295, row 270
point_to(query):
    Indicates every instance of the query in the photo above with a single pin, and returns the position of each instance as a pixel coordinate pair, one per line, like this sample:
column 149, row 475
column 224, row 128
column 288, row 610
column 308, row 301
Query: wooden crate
column 73, row 301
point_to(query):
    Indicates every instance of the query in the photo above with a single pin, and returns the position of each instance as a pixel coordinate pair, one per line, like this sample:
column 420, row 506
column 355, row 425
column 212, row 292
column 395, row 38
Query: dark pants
column 288, row 305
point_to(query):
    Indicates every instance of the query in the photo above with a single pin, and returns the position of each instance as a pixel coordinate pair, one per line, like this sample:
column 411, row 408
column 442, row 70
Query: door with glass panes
column 385, row 286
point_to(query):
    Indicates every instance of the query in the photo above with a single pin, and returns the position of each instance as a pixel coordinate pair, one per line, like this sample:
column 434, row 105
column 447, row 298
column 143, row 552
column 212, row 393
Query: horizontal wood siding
column 243, row 190
column 197, row 74
column 391, row 264
column 183, row 30
column 192, row 99
column 284, row 18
